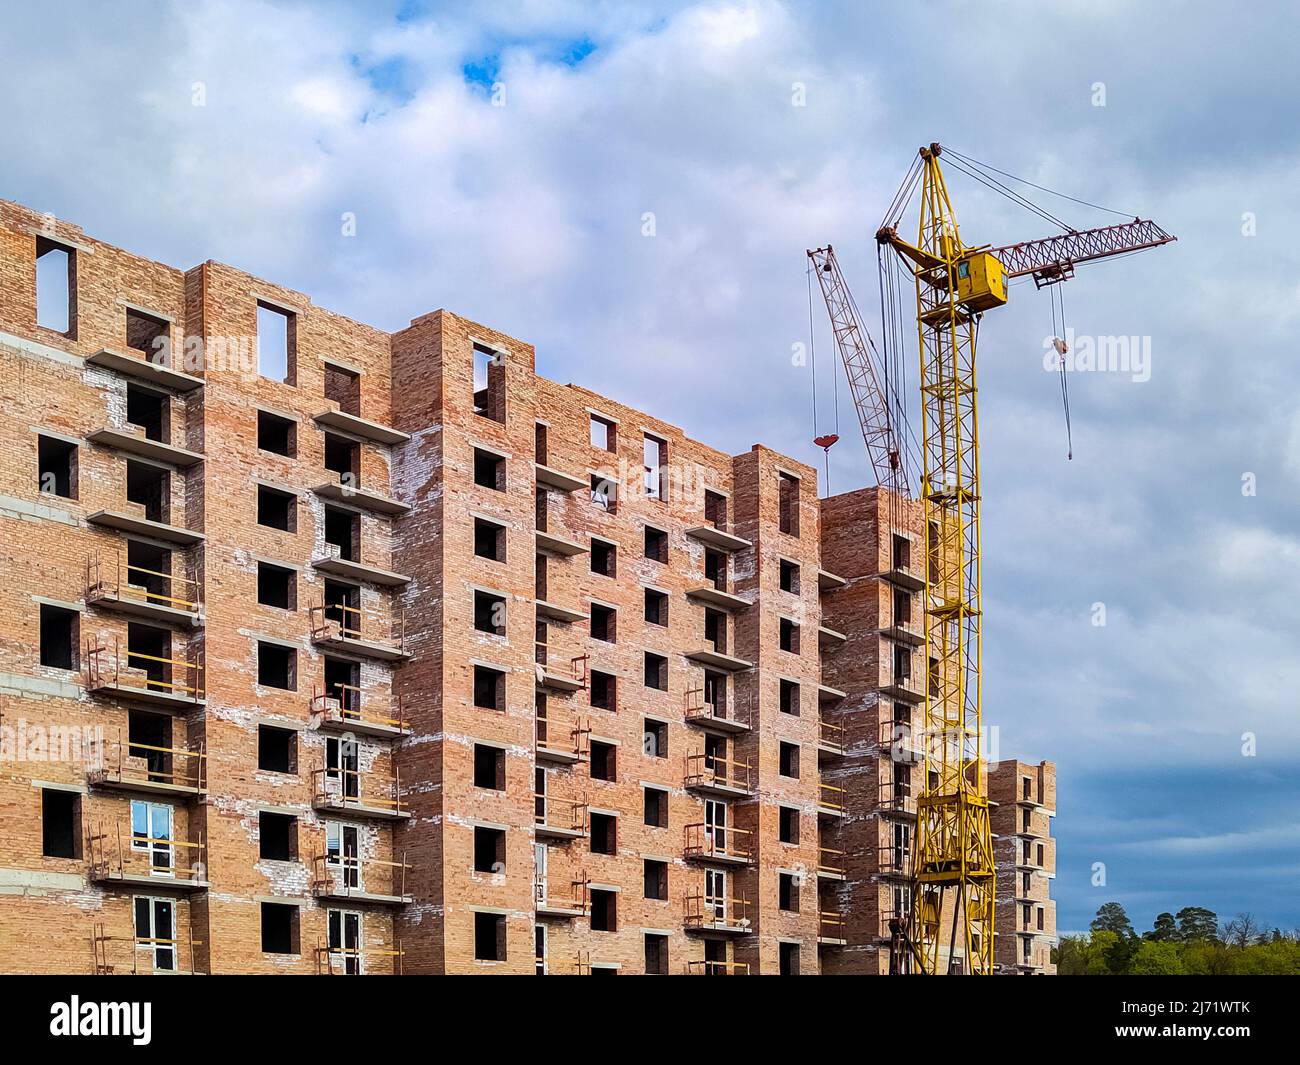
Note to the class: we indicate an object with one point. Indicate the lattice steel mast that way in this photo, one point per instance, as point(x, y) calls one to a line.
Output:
point(953, 866)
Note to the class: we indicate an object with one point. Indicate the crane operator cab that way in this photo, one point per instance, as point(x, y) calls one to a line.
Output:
point(981, 281)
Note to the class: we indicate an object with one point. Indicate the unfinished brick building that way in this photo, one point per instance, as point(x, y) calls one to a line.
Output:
point(326, 649)
point(1025, 854)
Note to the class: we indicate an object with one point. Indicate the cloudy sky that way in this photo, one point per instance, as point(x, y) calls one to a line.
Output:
point(500, 161)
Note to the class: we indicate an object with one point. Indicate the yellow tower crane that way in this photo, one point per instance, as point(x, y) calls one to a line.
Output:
point(953, 875)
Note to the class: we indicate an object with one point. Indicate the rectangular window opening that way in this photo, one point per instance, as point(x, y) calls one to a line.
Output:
point(60, 636)
point(343, 386)
point(277, 333)
point(60, 823)
point(56, 287)
point(489, 384)
point(56, 467)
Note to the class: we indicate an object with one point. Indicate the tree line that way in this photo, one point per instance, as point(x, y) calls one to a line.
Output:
point(1190, 942)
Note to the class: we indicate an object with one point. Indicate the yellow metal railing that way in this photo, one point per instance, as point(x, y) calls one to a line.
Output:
point(121, 581)
point(567, 815)
point(717, 968)
point(703, 769)
point(106, 963)
point(105, 668)
point(342, 703)
point(122, 764)
point(341, 621)
point(112, 856)
point(338, 785)
point(717, 912)
point(712, 841)
point(831, 797)
point(342, 875)
point(831, 861)
point(831, 735)
point(351, 961)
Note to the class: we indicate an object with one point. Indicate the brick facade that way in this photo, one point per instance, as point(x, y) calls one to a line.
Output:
point(450, 685)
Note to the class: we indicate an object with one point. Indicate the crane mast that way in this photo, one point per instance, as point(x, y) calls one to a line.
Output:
point(953, 870)
point(953, 875)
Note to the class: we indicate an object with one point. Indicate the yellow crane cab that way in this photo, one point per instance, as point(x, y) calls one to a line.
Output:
point(981, 281)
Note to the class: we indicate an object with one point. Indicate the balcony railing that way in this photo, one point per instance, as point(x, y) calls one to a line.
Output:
point(341, 707)
point(561, 737)
point(150, 677)
point(897, 796)
point(717, 968)
point(562, 816)
point(122, 854)
point(717, 711)
point(901, 740)
point(340, 623)
point(119, 954)
point(712, 842)
point(831, 862)
point(359, 792)
point(556, 672)
point(831, 737)
point(832, 925)
point(349, 876)
point(717, 913)
point(133, 765)
point(831, 798)
point(574, 904)
point(894, 860)
point(359, 961)
point(117, 580)
point(715, 771)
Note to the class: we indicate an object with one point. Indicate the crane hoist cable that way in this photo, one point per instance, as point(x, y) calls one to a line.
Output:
point(1057, 296)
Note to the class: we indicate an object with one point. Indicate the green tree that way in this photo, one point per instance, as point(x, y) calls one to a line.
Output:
point(1165, 930)
point(1100, 946)
point(1197, 923)
point(1157, 958)
point(1112, 918)
point(1071, 956)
